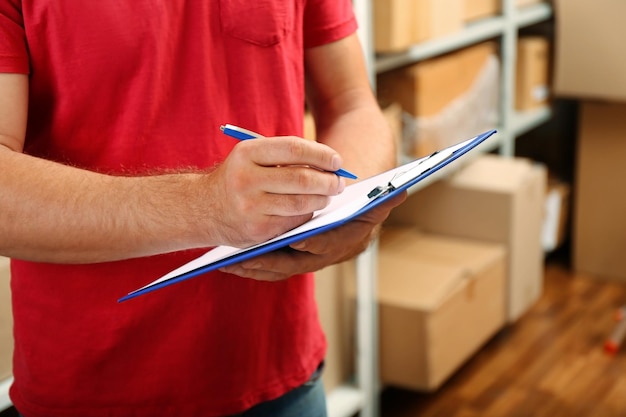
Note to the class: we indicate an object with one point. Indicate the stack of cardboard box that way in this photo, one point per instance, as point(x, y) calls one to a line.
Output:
point(590, 66)
point(458, 260)
point(492, 199)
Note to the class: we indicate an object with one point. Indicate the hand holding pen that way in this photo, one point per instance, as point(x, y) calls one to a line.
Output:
point(251, 200)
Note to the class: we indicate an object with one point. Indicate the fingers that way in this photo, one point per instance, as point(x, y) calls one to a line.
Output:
point(290, 150)
point(267, 186)
point(290, 205)
point(301, 180)
point(319, 251)
point(277, 265)
point(284, 166)
point(354, 237)
point(274, 176)
point(283, 191)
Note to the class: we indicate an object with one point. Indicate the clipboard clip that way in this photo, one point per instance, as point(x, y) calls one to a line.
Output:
point(403, 178)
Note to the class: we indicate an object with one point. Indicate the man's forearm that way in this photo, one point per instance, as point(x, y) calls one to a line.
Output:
point(347, 115)
point(55, 213)
point(355, 127)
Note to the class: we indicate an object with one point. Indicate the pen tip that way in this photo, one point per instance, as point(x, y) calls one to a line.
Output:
point(222, 128)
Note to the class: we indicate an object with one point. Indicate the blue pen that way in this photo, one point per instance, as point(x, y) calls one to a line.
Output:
point(245, 134)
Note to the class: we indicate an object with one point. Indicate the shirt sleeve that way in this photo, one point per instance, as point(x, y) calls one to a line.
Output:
point(13, 49)
point(327, 21)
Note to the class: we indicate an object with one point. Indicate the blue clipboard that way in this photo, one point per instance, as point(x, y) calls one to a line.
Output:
point(356, 200)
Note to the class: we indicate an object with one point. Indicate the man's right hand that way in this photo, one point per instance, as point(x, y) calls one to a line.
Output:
point(268, 186)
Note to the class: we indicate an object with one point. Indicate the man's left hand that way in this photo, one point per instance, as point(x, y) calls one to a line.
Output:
point(319, 251)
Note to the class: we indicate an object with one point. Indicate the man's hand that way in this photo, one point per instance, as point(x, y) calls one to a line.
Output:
point(315, 253)
point(268, 186)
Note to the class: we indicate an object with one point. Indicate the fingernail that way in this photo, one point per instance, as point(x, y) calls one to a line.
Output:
point(341, 186)
point(298, 245)
point(336, 162)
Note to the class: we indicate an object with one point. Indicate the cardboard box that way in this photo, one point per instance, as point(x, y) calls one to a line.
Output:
point(444, 17)
point(524, 3)
point(400, 24)
point(532, 73)
point(494, 199)
point(588, 40)
point(397, 25)
point(335, 317)
point(6, 321)
point(440, 299)
point(427, 87)
point(478, 9)
point(445, 98)
point(599, 229)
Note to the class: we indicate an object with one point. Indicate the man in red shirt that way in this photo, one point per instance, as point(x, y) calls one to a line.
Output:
point(114, 172)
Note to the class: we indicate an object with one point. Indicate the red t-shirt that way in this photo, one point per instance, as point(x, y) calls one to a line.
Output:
point(135, 87)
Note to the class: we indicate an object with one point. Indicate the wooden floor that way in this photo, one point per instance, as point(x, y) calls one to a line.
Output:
point(550, 363)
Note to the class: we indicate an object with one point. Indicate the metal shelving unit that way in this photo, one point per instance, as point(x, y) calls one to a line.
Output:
point(362, 397)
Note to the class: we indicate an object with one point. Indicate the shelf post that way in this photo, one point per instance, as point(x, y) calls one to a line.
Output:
point(367, 331)
point(508, 52)
point(367, 378)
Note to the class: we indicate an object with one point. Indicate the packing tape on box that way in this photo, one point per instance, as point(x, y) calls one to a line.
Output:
point(475, 111)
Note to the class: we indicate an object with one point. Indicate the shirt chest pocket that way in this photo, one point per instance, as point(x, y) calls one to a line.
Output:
point(261, 22)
